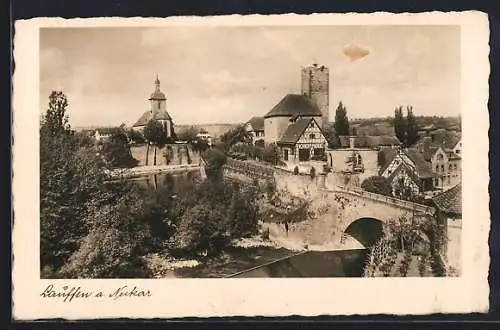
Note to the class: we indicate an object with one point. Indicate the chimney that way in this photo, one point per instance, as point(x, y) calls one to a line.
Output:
point(352, 139)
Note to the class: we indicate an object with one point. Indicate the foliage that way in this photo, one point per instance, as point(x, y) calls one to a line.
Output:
point(400, 124)
point(405, 263)
point(341, 125)
point(235, 135)
point(215, 160)
point(189, 134)
point(296, 170)
point(135, 136)
point(412, 128)
point(55, 120)
point(155, 133)
point(116, 151)
point(377, 185)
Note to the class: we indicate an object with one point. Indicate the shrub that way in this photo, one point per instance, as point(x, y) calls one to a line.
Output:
point(377, 185)
point(312, 172)
point(296, 170)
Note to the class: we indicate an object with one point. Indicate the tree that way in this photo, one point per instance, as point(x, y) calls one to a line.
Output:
point(399, 125)
point(189, 134)
point(135, 136)
point(55, 121)
point(215, 160)
point(411, 128)
point(377, 185)
point(155, 133)
point(341, 125)
point(235, 135)
point(270, 154)
point(116, 151)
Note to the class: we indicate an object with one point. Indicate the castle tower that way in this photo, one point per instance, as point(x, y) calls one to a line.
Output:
point(316, 85)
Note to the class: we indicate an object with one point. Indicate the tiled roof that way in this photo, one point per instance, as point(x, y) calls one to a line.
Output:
point(148, 115)
point(294, 131)
point(403, 167)
point(257, 123)
point(370, 141)
point(422, 167)
point(389, 155)
point(156, 95)
point(450, 201)
point(293, 104)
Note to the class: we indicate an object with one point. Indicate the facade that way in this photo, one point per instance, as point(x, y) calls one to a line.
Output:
point(449, 213)
point(103, 133)
point(443, 150)
point(315, 83)
point(409, 167)
point(157, 111)
point(255, 126)
point(303, 141)
point(205, 136)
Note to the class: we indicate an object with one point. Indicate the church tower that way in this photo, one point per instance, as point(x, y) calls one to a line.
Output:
point(158, 99)
point(316, 85)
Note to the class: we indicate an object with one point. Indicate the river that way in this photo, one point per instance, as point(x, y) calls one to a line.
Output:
point(262, 261)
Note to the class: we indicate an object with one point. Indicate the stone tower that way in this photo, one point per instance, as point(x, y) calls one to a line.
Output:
point(316, 85)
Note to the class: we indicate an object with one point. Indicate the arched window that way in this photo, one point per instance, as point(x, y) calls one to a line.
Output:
point(442, 168)
point(440, 156)
point(437, 168)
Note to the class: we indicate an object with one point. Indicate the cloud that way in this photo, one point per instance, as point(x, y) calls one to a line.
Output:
point(355, 52)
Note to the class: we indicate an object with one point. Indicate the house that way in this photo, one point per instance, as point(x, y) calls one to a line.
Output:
point(157, 111)
point(448, 206)
point(287, 111)
point(104, 133)
point(407, 165)
point(205, 136)
point(255, 126)
point(303, 140)
point(443, 150)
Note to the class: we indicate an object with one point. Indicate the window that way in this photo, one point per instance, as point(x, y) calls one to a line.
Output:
point(455, 166)
point(158, 105)
point(312, 136)
point(457, 151)
point(311, 125)
point(442, 168)
point(450, 167)
point(437, 168)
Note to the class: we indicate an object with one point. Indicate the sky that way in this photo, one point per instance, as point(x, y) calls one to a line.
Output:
point(229, 74)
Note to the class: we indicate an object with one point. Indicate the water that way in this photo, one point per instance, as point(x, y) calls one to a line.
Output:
point(272, 262)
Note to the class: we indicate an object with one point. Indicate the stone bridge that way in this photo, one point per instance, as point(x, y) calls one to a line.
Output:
point(362, 214)
point(339, 210)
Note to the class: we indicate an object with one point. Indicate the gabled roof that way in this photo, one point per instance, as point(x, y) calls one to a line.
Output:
point(148, 115)
point(294, 131)
point(257, 123)
point(389, 155)
point(450, 201)
point(422, 167)
point(293, 104)
point(409, 171)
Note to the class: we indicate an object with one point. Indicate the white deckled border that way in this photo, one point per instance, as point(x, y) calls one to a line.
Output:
point(259, 297)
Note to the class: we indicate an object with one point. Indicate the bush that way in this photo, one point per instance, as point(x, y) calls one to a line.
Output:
point(296, 170)
point(312, 172)
point(377, 185)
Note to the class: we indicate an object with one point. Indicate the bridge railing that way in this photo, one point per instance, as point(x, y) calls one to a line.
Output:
point(388, 199)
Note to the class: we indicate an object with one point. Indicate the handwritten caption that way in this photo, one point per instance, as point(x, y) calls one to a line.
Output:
point(70, 293)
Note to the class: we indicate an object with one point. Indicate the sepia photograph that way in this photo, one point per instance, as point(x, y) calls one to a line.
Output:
point(291, 153)
point(198, 164)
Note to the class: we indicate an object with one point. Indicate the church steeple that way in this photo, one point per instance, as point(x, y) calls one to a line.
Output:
point(157, 84)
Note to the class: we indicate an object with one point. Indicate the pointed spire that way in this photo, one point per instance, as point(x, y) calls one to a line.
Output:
point(157, 83)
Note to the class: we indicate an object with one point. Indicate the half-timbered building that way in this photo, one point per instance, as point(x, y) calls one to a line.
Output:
point(303, 141)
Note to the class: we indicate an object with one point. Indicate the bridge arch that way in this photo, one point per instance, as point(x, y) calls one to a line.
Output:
point(366, 230)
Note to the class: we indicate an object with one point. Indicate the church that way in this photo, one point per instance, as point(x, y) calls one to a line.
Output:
point(157, 111)
point(296, 124)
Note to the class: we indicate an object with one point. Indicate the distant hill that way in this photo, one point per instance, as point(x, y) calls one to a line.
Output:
point(215, 130)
